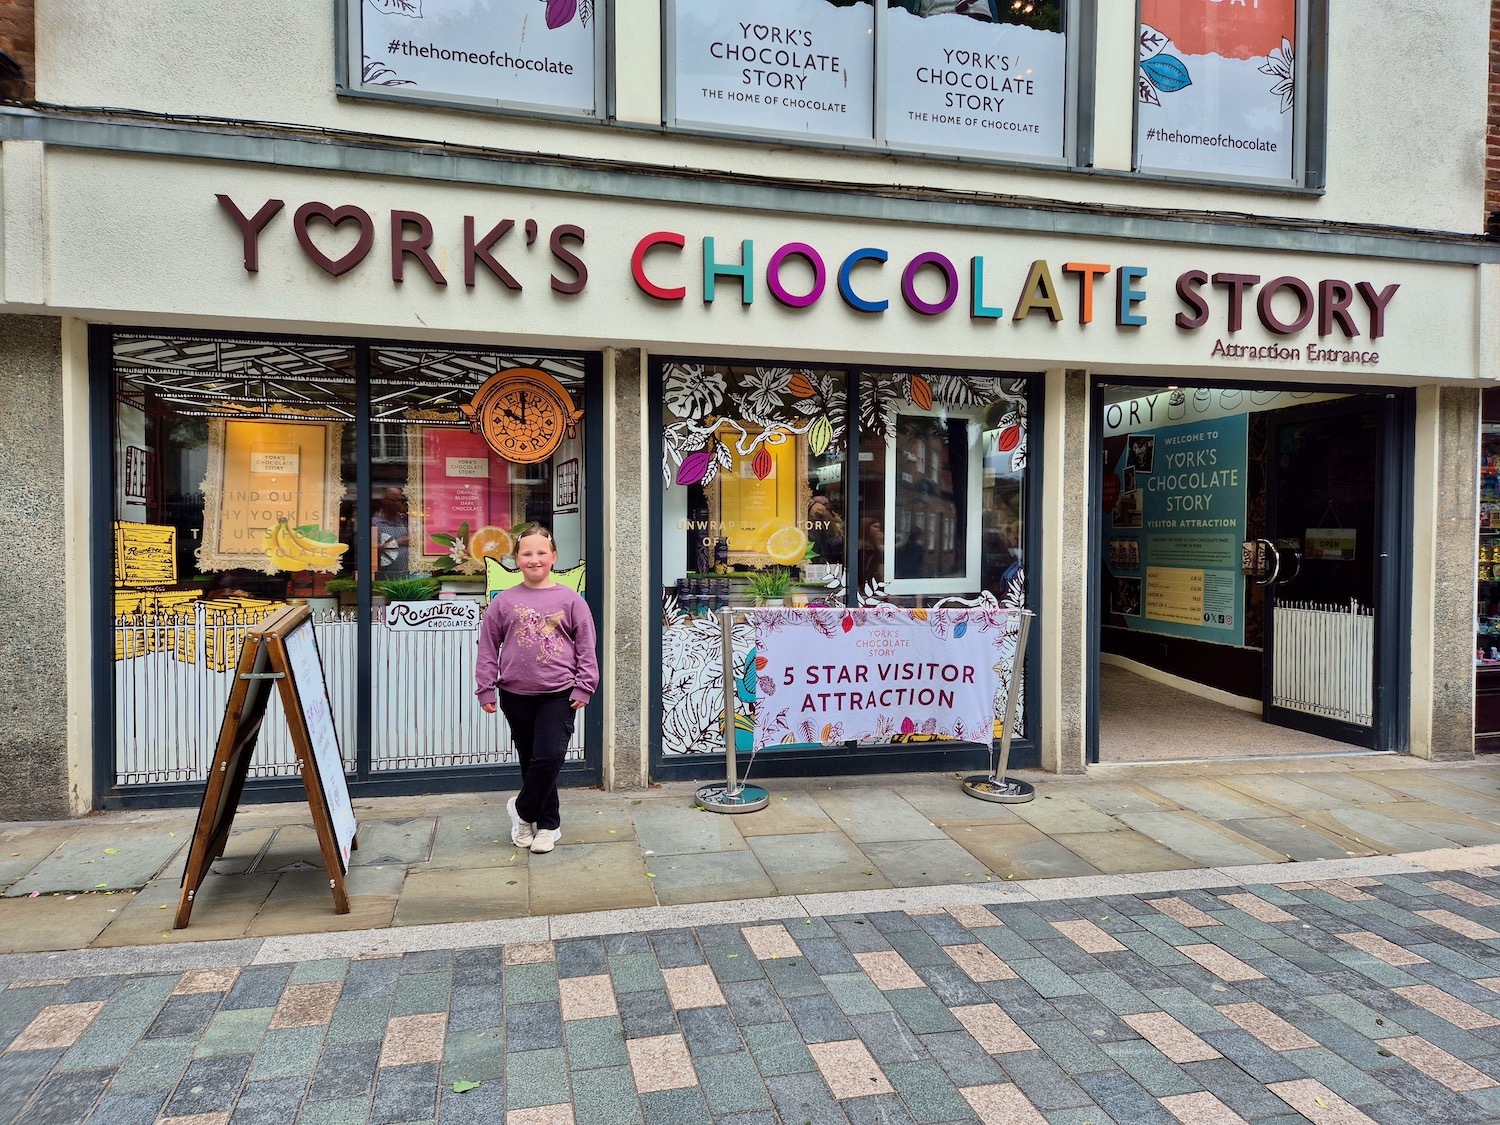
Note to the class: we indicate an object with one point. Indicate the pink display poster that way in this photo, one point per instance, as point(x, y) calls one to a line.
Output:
point(463, 482)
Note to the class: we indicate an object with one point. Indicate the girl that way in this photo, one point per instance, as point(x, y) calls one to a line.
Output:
point(537, 645)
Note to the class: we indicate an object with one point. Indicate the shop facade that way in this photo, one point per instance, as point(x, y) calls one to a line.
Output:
point(267, 356)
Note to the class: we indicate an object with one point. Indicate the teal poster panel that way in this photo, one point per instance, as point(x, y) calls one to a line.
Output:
point(1174, 520)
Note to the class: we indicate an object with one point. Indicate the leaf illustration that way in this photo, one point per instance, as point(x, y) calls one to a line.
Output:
point(1010, 437)
point(960, 629)
point(760, 663)
point(919, 614)
point(585, 11)
point(694, 466)
point(819, 437)
point(1166, 73)
point(921, 392)
point(801, 386)
point(761, 463)
point(560, 12)
point(808, 732)
point(848, 623)
point(765, 685)
point(908, 727)
point(412, 8)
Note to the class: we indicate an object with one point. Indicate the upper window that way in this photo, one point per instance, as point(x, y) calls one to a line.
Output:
point(530, 55)
point(982, 78)
point(1219, 89)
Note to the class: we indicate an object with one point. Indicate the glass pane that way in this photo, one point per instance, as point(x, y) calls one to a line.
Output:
point(792, 67)
point(942, 482)
point(752, 512)
point(1215, 89)
point(986, 76)
point(234, 467)
point(446, 506)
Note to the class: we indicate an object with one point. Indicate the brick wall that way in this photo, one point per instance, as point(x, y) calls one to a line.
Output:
point(1492, 134)
point(18, 41)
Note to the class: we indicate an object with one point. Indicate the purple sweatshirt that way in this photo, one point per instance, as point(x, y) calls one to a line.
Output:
point(534, 642)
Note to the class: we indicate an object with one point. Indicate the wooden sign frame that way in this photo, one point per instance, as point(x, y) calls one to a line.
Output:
point(265, 658)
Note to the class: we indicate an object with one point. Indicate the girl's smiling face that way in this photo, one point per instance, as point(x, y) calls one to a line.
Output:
point(535, 555)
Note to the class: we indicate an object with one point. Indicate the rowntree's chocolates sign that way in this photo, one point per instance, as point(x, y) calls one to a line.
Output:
point(1320, 320)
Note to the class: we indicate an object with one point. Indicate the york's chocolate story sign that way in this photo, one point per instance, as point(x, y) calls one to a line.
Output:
point(1326, 320)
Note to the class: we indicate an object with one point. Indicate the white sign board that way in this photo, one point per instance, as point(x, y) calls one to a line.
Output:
point(446, 615)
point(825, 675)
point(307, 674)
point(520, 52)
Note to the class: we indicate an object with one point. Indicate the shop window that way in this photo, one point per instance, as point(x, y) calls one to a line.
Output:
point(765, 501)
point(239, 487)
point(986, 78)
point(540, 57)
point(1230, 90)
point(234, 463)
point(448, 510)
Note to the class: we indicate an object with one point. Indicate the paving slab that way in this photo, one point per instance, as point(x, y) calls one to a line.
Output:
point(1116, 853)
point(464, 894)
point(1199, 839)
point(302, 902)
point(575, 877)
point(57, 921)
point(925, 863)
point(712, 877)
point(1022, 852)
point(394, 841)
point(470, 838)
point(945, 803)
point(667, 828)
point(223, 908)
point(1375, 829)
point(814, 863)
point(23, 846)
point(1214, 799)
point(790, 811)
point(1468, 792)
point(294, 847)
point(874, 814)
point(1297, 840)
point(102, 857)
point(1064, 812)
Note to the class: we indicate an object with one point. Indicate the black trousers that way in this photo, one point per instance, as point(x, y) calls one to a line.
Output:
point(541, 725)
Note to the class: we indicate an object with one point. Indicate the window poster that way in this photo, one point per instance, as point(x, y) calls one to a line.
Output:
point(957, 80)
point(1173, 527)
point(1216, 85)
point(799, 67)
point(522, 52)
point(461, 482)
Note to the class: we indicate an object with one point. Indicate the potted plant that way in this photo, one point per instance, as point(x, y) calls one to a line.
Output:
point(769, 586)
point(345, 587)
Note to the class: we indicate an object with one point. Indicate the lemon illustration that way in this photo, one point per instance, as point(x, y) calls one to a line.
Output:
point(787, 545)
point(491, 543)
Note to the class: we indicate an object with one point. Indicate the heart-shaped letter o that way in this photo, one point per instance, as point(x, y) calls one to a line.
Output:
point(335, 216)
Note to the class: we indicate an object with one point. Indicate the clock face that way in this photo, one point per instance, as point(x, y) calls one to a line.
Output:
point(524, 415)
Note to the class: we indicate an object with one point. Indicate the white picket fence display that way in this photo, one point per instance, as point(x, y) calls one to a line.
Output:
point(174, 670)
point(1323, 660)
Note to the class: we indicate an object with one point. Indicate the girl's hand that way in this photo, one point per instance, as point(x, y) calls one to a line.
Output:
point(487, 708)
point(577, 705)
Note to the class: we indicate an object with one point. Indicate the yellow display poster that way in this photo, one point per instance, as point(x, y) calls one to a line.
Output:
point(1174, 594)
point(145, 554)
point(761, 493)
point(261, 474)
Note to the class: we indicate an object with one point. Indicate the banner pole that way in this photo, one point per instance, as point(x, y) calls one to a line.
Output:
point(996, 786)
point(730, 796)
point(726, 639)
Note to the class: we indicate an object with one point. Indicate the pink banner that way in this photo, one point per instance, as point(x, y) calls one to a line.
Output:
point(464, 482)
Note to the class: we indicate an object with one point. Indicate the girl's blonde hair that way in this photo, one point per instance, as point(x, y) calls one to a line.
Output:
point(536, 529)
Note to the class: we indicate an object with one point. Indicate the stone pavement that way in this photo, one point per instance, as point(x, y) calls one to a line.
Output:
point(113, 879)
point(1281, 994)
point(1310, 941)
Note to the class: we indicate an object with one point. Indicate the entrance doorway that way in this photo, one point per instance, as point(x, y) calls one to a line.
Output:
point(1248, 560)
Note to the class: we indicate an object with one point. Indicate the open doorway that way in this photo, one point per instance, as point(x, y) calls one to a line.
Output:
point(1249, 559)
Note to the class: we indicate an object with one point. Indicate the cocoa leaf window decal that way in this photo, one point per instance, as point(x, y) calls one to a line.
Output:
point(376, 72)
point(1167, 73)
point(412, 8)
point(1279, 65)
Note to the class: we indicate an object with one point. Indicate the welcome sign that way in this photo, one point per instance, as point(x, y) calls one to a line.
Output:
point(827, 675)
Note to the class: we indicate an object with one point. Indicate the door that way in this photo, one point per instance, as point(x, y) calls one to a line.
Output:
point(1325, 479)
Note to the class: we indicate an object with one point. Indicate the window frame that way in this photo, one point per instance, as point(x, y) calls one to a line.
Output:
point(1310, 114)
point(1078, 85)
point(349, 83)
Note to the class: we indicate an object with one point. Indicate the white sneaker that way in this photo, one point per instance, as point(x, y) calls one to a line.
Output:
point(545, 839)
point(522, 832)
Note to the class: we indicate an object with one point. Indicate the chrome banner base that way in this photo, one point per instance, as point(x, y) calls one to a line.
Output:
point(720, 798)
point(1000, 790)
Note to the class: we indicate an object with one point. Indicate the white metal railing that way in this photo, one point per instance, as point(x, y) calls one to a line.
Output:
point(173, 671)
point(1323, 660)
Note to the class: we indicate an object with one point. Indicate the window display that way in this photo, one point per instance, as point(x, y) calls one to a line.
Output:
point(766, 502)
point(239, 489)
point(1487, 597)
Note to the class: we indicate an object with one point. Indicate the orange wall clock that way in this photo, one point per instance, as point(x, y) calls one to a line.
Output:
point(524, 414)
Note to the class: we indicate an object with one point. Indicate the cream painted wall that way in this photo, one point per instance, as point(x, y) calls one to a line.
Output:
point(160, 221)
point(1404, 150)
